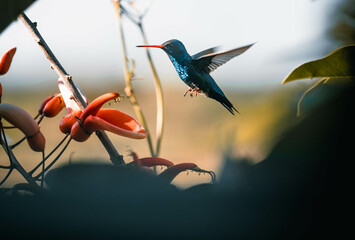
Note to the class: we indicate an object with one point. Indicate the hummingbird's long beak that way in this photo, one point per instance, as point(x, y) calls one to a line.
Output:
point(155, 46)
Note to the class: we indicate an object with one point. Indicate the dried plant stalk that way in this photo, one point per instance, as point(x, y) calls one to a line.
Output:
point(128, 78)
point(159, 95)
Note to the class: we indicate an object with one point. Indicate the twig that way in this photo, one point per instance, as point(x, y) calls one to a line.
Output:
point(16, 165)
point(115, 157)
point(7, 175)
point(44, 159)
point(54, 161)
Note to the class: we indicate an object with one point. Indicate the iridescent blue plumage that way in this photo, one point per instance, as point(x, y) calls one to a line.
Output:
point(194, 70)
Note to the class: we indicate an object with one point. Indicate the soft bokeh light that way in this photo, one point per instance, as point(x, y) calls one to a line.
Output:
point(84, 36)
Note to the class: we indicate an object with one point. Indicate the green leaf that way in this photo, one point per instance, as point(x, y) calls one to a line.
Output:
point(338, 64)
point(10, 9)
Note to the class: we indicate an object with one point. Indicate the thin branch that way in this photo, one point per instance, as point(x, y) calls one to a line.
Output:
point(43, 167)
point(16, 165)
point(54, 161)
point(44, 159)
point(115, 157)
point(7, 175)
point(17, 143)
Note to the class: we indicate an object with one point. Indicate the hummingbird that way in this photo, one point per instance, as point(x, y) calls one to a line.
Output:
point(195, 70)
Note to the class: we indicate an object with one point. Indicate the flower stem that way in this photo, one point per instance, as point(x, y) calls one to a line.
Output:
point(54, 161)
point(45, 158)
point(14, 164)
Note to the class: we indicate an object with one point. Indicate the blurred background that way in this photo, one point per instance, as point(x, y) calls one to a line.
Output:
point(85, 38)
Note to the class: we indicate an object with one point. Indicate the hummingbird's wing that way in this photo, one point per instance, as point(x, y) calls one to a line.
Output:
point(205, 52)
point(212, 60)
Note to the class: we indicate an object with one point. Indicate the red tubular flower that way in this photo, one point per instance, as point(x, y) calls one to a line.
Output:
point(154, 161)
point(6, 60)
point(43, 104)
point(24, 121)
point(53, 105)
point(93, 118)
point(68, 121)
point(170, 173)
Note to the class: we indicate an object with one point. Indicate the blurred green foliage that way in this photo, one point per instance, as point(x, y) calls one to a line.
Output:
point(338, 64)
point(343, 22)
point(336, 68)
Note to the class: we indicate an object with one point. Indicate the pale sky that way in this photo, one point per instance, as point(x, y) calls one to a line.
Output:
point(84, 36)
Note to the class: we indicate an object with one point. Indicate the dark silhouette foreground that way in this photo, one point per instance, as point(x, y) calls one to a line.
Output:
point(301, 190)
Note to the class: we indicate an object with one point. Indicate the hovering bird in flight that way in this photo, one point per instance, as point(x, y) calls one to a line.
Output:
point(195, 70)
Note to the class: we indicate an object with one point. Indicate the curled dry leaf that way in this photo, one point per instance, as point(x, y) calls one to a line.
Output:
point(6, 60)
point(24, 121)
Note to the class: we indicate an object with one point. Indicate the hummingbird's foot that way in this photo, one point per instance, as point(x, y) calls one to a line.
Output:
point(188, 90)
point(192, 91)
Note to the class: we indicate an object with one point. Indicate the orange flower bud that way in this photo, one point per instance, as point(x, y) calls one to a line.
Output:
point(68, 121)
point(78, 133)
point(36, 142)
point(24, 122)
point(6, 61)
point(54, 106)
point(43, 104)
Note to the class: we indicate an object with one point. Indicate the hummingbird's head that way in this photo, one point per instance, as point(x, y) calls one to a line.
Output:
point(172, 47)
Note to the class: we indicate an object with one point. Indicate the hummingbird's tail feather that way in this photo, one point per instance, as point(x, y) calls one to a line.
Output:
point(230, 108)
point(224, 101)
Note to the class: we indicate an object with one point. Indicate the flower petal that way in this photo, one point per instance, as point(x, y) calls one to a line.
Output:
point(78, 133)
point(23, 121)
point(43, 104)
point(54, 106)
point(95, 105)
point(68, 121)
point(170, 173)
point(116, 122)
point(154, 161)
point(6, 60)
point(36, 142)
